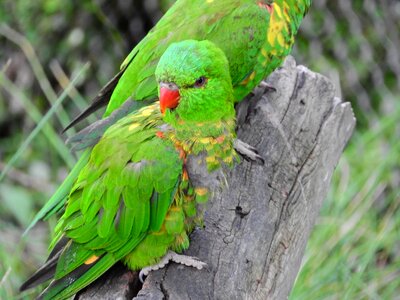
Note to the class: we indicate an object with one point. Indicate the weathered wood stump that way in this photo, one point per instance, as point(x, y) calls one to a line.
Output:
point(257, 228)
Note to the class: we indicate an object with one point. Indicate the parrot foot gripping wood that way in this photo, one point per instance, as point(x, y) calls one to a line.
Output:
point(256, 229)
point(247, 152)
point(188, 261)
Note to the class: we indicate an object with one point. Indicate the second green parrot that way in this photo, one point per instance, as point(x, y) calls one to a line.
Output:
point(255, 35)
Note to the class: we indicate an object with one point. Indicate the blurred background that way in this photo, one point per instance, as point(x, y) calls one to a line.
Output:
point(354, 250)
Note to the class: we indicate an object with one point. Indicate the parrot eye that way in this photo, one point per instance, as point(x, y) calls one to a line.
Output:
point(200, 82)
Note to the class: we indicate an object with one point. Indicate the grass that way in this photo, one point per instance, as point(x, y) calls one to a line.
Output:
point(354, 250)
point(43, 146)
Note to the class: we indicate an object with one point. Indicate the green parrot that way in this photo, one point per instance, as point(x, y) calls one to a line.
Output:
point(134, 199)
point(255, 36)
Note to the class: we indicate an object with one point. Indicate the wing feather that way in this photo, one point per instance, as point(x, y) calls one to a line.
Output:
point(115, 203)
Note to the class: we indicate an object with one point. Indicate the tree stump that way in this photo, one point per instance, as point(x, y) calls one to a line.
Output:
point(256, 228)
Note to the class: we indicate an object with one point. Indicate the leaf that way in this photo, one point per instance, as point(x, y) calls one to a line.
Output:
point(16, 201)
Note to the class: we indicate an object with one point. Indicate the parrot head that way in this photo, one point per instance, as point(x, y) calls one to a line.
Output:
point(194, 82)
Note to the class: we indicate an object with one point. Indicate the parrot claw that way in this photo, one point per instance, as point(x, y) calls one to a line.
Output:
point(186, 260)
point(248, 152)
point(267, 87)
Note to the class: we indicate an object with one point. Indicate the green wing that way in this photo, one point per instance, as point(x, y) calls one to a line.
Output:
point(86, 138)
point(121, 195)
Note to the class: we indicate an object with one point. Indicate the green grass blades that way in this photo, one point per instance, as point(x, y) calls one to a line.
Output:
point(353, 251)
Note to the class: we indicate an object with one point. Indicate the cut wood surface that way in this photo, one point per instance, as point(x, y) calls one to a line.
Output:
point(257, 226)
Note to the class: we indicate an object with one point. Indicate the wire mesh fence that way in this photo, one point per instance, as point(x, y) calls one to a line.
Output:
point(360, 39)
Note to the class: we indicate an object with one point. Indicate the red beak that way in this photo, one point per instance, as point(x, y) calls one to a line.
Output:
point(169, 98)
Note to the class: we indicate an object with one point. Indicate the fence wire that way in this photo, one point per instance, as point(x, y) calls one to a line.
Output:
point(360, 40)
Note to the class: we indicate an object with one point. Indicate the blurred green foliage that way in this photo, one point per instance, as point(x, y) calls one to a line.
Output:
point(354, 251)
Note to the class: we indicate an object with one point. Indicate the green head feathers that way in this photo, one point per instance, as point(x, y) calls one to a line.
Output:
point(198, 73)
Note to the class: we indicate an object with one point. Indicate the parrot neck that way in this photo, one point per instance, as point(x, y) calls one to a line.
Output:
point(197, 134)
point(213, 138)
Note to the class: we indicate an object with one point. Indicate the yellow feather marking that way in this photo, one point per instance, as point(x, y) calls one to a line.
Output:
point(285, 11)
point(147, 112)
point(264, 52)
point(252, 75)
point(278, 10)
point(276, 28)
point(160, 232)
point(175, 208)
point(201, 191)
point(180, 239)
point(210, 1)
point(91, 260)
point(210, 159)
point(249, 78)
point(281, 40)
point(228, 159)
point(133, 126)
point(205, 140)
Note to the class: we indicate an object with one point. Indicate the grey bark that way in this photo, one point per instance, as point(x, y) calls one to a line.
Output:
point(257, 227)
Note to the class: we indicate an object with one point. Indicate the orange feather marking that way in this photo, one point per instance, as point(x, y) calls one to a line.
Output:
point(185, 175)
point(160, 134)
point(201, 191)
point(91, 260)
point(220, 139)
